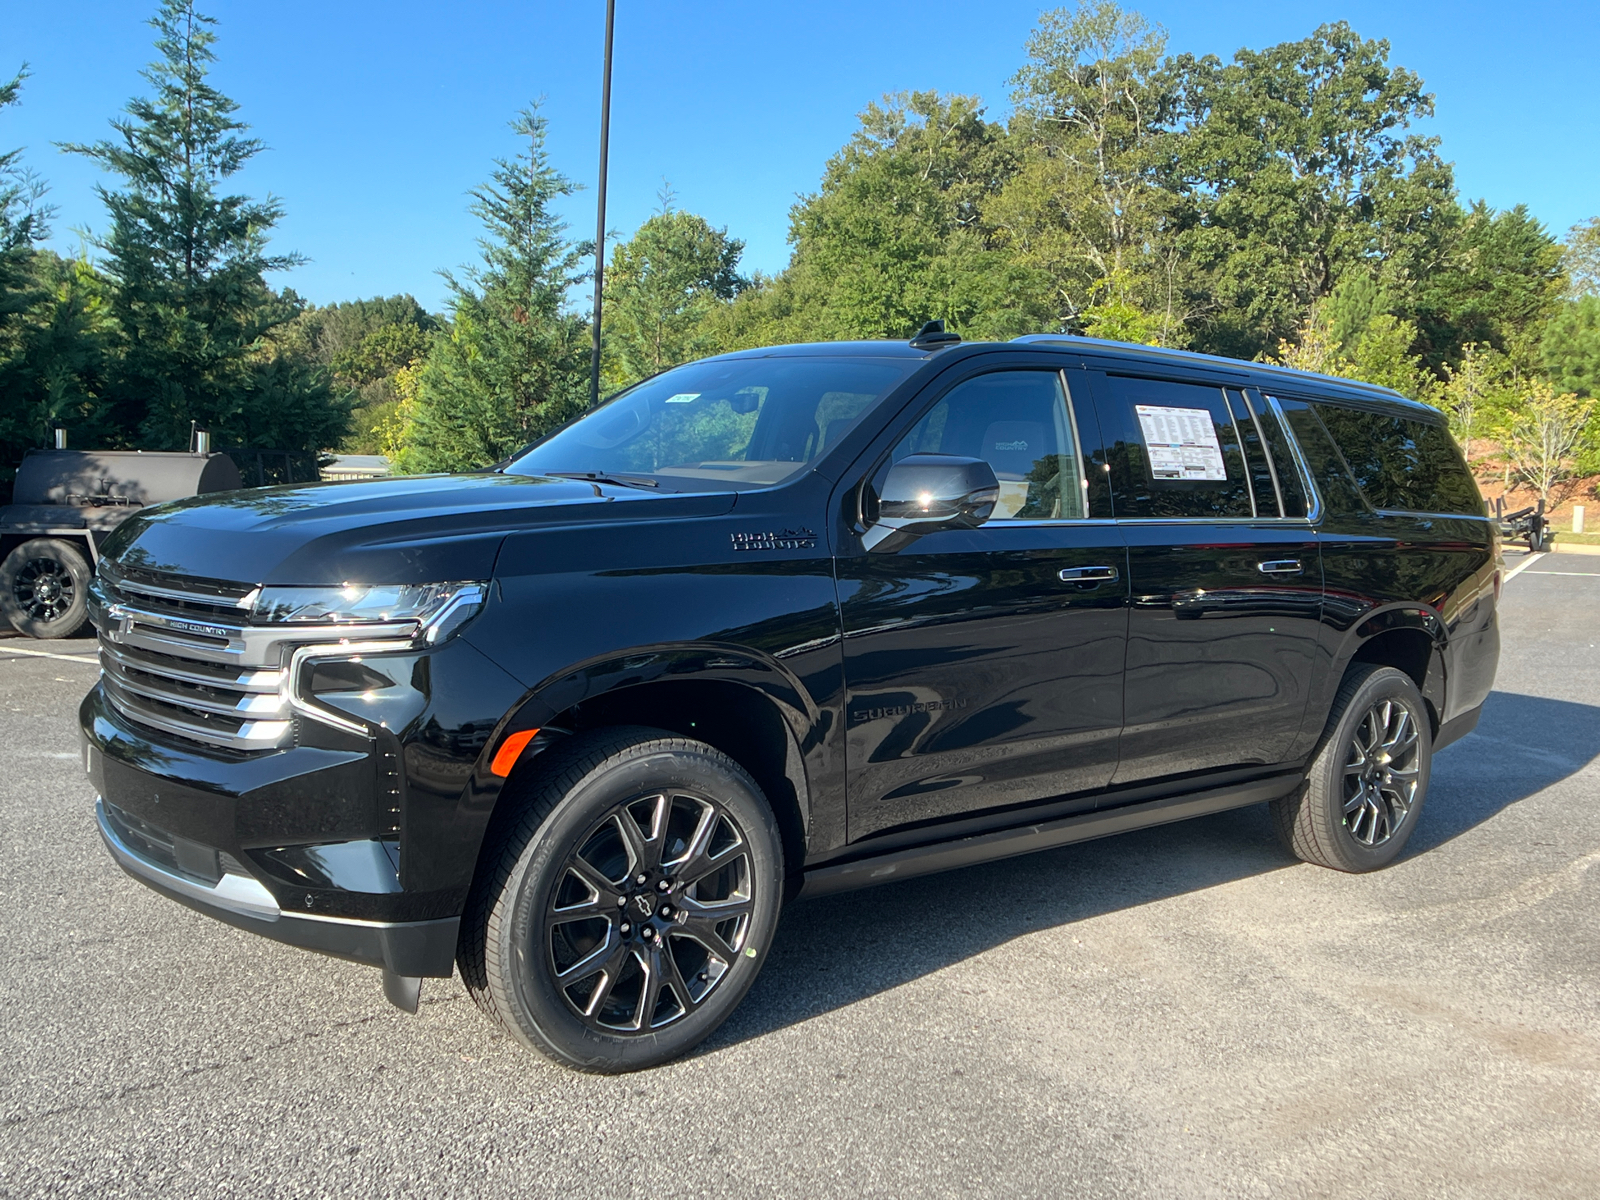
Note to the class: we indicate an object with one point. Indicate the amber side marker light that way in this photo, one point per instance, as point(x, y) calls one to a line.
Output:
point(510, 750)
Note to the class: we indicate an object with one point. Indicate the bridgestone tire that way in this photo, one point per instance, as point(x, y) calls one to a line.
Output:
point(505, 951)
point(45, 563)
point(1311, 821)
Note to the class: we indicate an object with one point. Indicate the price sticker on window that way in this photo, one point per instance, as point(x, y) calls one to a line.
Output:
point(1181, 442)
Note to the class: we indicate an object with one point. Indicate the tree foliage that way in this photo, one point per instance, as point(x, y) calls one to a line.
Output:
point(661, 286)
point(514, 363)
point(187, 258)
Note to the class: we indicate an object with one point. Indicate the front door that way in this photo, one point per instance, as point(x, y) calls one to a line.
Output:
point(1226, 591)
point(984, 666)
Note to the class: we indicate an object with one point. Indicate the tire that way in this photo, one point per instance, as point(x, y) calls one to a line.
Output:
point(44, 588)
point(560, 891)
point(1378, 712)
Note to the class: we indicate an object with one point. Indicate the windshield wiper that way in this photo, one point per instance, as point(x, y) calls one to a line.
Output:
point(605, 477)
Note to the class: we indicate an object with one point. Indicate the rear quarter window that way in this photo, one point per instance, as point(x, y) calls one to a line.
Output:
point(1402, 464)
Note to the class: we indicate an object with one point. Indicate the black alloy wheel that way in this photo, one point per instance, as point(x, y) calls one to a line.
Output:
point(1367, 783)
point(651, 912)
point(44, 588)
point(1380, 776)
point(625, 902)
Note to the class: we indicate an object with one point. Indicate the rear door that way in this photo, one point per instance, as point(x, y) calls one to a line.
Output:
point(1226, 590)
point(984, 666)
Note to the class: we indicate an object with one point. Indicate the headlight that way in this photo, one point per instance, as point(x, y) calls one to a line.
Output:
point(436, 609)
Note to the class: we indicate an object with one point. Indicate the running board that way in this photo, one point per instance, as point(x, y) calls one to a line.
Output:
point(1025, 839)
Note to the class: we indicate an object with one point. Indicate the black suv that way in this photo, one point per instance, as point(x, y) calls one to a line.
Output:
point(776, 624)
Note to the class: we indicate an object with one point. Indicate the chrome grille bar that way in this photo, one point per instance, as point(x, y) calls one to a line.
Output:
point(181, 657)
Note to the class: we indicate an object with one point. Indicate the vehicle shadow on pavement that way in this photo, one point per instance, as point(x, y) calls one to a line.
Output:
point(833, 952)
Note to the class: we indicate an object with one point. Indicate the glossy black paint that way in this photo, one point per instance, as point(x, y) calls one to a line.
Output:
point(951, 687)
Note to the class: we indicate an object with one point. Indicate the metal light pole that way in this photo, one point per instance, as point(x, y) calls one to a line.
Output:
point(600, 226)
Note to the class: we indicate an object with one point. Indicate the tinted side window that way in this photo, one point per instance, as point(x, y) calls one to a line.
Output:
point(1174, 451)
point(1338, 490)
point(1019, 422)
point(1402, 464)
point(1291, 488)
point(1263, 484)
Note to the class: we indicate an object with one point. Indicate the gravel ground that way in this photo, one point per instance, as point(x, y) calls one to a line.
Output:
point(1180, 1012)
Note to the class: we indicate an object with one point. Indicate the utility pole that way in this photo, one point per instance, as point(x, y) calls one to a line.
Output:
point(600, 225)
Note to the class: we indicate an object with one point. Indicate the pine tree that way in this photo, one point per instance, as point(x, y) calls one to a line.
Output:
point(188, 259)
point(514, 363)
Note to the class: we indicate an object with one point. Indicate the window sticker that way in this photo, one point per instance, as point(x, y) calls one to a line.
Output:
point(683, 397)
point(1182, 442)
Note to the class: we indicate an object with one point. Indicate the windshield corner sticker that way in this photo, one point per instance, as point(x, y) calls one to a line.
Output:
point(781, 539)
point(683, 398)
point(1182, 442)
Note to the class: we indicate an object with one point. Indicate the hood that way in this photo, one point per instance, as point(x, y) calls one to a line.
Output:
point(411, 529)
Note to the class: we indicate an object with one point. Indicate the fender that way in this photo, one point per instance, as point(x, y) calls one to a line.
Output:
point(1430, 675)
point(550, 706)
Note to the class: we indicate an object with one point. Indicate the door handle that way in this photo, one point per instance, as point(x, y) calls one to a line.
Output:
point(1281, 566)
point(1088, 574)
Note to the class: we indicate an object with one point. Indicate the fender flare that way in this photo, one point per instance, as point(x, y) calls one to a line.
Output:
point(804, 724)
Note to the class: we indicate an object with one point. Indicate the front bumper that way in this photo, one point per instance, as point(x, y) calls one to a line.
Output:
point(404, 948)
point(287, 845)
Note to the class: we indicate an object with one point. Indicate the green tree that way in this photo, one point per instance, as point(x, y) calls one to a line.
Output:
point(363, 345)
point(1474, 389)
point(514, 363)
point(1302, 166)
point(1581, 258)
point(187, 259)
point(1498, 285)
point(895, 236)
point(661, 286)
point(53, 323)
point(1570, 350)
point(1542, 436)
point(1098, 111)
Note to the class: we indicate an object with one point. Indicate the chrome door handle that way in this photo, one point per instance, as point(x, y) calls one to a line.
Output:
point(1088, 574)
point(1281, 566)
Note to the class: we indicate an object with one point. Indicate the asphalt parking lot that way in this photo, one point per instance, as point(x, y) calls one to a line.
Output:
point(1185, 1011)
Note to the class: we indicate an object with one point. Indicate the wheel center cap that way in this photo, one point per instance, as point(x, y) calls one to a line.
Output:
point(645, 905)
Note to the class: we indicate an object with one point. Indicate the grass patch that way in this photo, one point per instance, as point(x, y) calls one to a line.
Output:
point(1576, 539)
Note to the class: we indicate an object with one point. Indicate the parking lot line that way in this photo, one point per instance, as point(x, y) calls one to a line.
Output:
point(1523, 565)
point(77, 658)
point(1570, 574)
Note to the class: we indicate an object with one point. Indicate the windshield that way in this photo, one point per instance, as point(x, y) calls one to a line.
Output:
point(745, 422)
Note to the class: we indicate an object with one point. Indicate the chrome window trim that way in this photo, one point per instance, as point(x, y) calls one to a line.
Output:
point(1213, 521)
point(1077, 449)
point(1314, 508)
point(1244, 459)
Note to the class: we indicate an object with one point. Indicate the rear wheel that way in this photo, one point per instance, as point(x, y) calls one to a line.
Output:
point(1366, 785)
point(44, 588)
point(631, 903)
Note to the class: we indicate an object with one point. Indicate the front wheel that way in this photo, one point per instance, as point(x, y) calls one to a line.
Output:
point(44, 588)
point(631, 903)
point(1365, 787)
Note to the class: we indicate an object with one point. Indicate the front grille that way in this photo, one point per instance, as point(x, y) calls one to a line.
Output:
point(179, 656)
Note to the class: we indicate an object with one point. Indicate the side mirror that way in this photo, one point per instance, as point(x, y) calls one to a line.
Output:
point(928, 492)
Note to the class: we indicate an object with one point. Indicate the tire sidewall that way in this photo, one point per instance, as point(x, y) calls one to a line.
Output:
point(1386, 683)
point(69, 557)
point(535, 1003)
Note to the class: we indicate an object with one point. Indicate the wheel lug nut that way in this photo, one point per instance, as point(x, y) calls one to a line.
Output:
point(641, 879)
point(622, 902)
point(626, 928)
point(666, 912)
point(664, 885)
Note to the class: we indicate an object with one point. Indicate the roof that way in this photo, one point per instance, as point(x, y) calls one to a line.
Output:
point(1265, 375)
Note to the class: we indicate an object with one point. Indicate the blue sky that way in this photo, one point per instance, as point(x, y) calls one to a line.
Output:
point(381, 116)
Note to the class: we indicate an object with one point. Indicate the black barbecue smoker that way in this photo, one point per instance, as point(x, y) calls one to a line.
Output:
point(64, 505)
